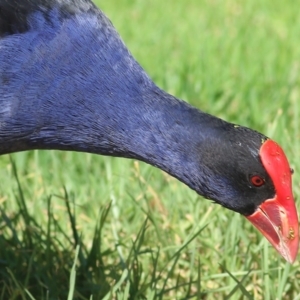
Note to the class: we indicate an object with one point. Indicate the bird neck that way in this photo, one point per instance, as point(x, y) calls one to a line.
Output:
point(151, 126)
point(96, 100)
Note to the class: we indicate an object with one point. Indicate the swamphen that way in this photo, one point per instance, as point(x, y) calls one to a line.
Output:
point(68, 82)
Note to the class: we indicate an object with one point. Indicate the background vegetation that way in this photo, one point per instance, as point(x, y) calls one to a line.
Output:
point(142, 234)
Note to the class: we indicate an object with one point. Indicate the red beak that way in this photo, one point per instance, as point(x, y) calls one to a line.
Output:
point(277, 218)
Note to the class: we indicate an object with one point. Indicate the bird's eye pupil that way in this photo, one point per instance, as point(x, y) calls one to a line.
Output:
point(257, 181)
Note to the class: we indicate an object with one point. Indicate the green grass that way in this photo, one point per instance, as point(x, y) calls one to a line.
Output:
point(143, 234)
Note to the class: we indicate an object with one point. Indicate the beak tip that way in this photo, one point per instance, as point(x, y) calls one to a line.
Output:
point(293, 251)
point(282, 233)
point(290, 258)
point(288, 247)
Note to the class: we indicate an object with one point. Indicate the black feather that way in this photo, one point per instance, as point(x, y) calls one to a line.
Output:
point(14, 14)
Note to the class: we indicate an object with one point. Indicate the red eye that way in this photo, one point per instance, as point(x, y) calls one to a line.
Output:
point(257, 180)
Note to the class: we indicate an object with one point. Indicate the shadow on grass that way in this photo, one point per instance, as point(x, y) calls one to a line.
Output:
point(36, 264)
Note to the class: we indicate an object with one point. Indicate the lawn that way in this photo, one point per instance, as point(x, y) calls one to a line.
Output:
point(143, 234)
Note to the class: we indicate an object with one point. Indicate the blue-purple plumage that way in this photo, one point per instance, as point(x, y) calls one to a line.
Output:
point(68, 82)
